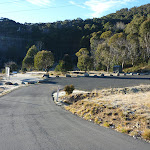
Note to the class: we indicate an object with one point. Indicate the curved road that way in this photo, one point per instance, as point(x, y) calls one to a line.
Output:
point(29, 120)
point(88, 83)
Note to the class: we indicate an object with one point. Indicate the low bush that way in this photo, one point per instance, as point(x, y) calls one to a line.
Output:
point(69, 89)
point(106, 124)
point(139, 68)
point(3, 71)
point(125, 130)
point(146, 134)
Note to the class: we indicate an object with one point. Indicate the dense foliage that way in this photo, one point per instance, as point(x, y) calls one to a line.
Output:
point(65, 64)
point(28, 61)
point(118, 38)
point(69, 89)
point(85, 62)
point(43, 60)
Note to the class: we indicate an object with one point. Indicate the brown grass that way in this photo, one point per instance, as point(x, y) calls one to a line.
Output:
point(127, 113)
point(146, 134)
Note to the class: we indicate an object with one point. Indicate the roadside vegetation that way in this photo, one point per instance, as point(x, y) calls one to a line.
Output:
point(121, 38)
point(126, 110)
point(69, 89)
point(142, 68)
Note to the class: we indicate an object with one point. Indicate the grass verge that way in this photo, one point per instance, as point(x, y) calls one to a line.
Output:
point(127, 113)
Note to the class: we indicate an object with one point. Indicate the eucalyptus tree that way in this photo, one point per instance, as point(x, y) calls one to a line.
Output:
point(28, 61)
point(43, 60)
point(104, 55)
point(145, 37)
point(132, 45)
point(118, 45)
point(85, 62)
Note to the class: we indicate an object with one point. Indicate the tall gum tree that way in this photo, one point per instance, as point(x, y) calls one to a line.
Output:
point(118, 45)
point(145, 37)
point(104, 55)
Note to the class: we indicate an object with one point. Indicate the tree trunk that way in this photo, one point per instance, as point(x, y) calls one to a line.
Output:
point(132, 62)
point(122, 64)
point(107, 68)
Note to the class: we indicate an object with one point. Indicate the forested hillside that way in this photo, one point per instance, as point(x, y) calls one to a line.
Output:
point(119, 38)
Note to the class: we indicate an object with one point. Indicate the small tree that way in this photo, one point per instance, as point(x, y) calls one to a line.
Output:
point(85, 62)
point(60, 67)
point(43, 60)
point(28, 61)
point(32, 51)
point(65, 64)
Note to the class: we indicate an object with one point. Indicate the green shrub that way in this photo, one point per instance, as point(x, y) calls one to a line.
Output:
point(3, 70)
point(69, 89)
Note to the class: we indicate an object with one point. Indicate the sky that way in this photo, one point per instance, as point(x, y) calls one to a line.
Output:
point(44, 11)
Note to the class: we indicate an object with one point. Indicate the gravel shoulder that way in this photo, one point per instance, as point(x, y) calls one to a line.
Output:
point(18, 80)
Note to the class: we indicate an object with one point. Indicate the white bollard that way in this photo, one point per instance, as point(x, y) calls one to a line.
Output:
point(7, 71)
point(57, 94)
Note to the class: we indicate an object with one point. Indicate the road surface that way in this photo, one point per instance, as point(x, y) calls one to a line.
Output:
point(29, 120)
point(90, 83)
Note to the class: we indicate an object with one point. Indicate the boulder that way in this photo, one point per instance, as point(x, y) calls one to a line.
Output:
point(8, 83)
point(46, 76)
point(95, 76)
point(102, 75)
point(16, 84)
point(68, 75)
point(43, 81)
point(31, 82)
point(86, 75)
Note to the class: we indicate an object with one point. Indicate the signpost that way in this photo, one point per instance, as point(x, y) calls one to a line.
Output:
point(7, 70)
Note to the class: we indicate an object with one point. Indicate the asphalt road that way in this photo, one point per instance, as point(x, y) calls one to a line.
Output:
point(29, 120)
point(90, 83)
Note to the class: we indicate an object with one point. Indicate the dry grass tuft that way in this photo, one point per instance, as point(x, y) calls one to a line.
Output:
point(124, 130)
point(127, 113)
point(146, 134)
point(106, 124)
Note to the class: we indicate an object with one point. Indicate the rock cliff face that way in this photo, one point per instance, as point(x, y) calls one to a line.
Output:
point(11, 42)
point(12, 49)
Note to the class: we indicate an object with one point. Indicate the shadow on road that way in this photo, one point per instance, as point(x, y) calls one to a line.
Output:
point(112, 77)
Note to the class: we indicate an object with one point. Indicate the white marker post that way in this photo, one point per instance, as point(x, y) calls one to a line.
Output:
point(7, 69)
point(57, 94)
